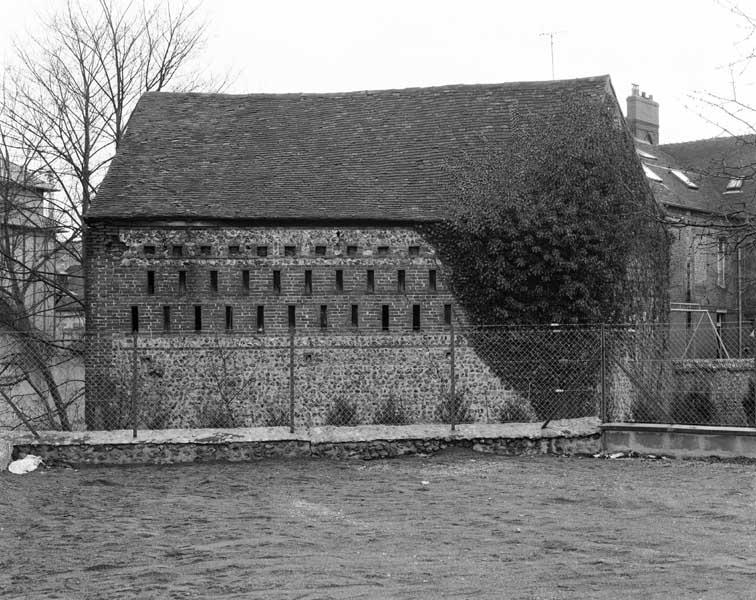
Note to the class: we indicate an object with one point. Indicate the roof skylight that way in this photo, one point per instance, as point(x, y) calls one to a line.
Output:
point(651, 174)
point(643, 154)
point(734, 185)
point(684, 178)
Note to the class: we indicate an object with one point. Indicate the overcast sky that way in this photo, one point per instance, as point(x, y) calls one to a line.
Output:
point(673, 49)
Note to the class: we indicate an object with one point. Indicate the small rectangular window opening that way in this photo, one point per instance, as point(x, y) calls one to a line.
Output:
point(205, 250)
point(277, 282)
point(151, 282)
point(149, 249)
point(177, 251)
point(414, 250)
point(214, 281)
point(229, 317)
point(447, 314)
point(351, 250)
point(385, 317)
point(197, 318)
point(290, 250)
point(166, 318)
point(182, 282)
point(432, 280)
point(134, 319)
point(401, 281)
point(292, 316)
point(262, 251)
point(383, 250)
point(308, 282)
point(339, 280)
point(245, 280)
point(320, 250)
point(323, 316)
point(355, 315)
point(260, 318)
point(234, 250)
point(370, 281)
point(416, 317)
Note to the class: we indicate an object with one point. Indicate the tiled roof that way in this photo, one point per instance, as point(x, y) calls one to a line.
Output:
point(710, 164)
point(360, 155)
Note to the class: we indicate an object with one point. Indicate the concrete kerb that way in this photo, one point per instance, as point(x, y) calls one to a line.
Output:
point(369, 441)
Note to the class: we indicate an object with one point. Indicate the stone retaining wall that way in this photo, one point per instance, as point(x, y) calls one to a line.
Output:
point(132, 454)
point(578, 436)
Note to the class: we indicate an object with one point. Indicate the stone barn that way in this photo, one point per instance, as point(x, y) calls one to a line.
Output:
point(226, 222)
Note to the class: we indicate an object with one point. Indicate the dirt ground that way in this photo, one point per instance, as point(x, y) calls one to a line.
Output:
point(481, 527)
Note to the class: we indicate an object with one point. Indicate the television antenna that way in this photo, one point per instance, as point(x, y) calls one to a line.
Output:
point(551, 35)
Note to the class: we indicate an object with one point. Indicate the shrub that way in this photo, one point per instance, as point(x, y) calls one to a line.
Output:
point(515, 412)
point(391, 412)
point(693, 408)
point(277, 417)
point(457, 407)
point(749, 404)
point(216, 415)
point(342, 413)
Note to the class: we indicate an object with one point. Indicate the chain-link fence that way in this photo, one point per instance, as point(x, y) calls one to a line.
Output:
point(650, 378)
point(301, 379)
point(41, 382)
point(304, 379)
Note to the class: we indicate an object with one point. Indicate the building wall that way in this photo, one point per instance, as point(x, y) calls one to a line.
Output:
point(119, 266)
point(25, 229)
point(365, 364)
point(696, 263)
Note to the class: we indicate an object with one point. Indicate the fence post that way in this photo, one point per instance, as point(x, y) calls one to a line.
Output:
point(291, 381)
point(452, 391)
point(134, 378)
point(602, 406)
point(752, 389)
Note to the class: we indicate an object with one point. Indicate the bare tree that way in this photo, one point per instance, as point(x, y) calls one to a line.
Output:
point(32, 384)
point(63, 114)
point(79, 80)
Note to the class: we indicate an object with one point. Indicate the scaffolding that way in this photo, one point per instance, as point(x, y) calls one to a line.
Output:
point(704, 315)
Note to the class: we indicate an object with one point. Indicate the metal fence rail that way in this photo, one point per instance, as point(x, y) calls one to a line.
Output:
point(300, 379)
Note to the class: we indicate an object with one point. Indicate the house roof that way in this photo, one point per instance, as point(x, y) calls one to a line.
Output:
point(23, 176)
point(377, 155)
point(710, 164)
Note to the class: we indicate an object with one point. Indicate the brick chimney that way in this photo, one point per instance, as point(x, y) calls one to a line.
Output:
point(643, 116)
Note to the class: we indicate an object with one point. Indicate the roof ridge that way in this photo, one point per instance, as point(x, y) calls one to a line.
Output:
point(453, 86)
point(747, 138)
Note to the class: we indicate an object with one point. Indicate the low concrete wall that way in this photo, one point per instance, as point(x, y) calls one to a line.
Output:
point(683, 441)
point(572, 436)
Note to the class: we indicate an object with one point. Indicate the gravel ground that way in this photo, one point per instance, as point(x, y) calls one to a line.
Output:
point(454, 525)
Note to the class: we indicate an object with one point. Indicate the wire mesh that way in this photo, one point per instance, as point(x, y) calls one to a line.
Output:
point(300, 379)
point(653, 378)
point(41, 382)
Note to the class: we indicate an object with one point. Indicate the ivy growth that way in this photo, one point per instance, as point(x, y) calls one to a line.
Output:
point(560, 226)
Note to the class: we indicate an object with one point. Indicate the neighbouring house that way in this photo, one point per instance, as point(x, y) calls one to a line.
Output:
point(69, 292)
point(41, 380)
point(226, 222)
point(705, 187)
point(27, 246)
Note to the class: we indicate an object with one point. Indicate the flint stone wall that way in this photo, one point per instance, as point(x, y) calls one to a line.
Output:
point(228, 381)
